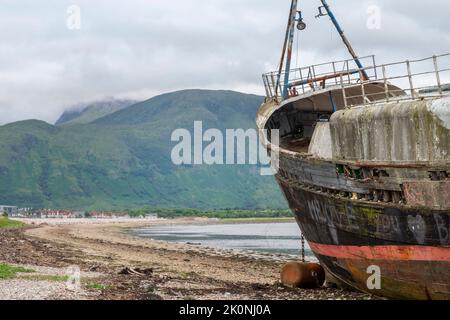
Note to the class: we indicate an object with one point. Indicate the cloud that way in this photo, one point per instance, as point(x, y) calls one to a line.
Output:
point(140, 48)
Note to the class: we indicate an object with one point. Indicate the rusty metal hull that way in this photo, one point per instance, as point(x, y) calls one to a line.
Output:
point(371, 191)
point(410, 246)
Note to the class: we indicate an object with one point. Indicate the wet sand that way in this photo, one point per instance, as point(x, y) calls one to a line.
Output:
point(175, 271)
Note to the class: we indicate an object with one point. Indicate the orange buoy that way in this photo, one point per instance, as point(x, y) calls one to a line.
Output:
point(303, 275)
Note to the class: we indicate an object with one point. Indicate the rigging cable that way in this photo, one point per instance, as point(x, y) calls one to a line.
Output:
point(298, 51)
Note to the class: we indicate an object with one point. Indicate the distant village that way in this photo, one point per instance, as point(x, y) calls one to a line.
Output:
point(30, 213)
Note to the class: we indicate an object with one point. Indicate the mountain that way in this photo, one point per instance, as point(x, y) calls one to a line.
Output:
point(123, 160)
point(87, 113)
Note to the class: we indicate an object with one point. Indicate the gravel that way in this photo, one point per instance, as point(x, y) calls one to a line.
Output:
point(35, 286)
point(19, 289)
point(180, 271)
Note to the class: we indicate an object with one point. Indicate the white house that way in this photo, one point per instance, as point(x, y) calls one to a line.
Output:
point(9, 210)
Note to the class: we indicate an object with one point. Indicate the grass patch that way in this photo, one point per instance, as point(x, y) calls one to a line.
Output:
point(6, 223)
point(98, 286)
point(7, 271)
point(50, 278)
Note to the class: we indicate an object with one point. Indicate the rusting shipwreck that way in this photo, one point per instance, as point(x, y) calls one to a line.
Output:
point(364, 162)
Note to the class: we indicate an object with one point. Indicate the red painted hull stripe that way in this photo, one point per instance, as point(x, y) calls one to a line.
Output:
point(393, 253)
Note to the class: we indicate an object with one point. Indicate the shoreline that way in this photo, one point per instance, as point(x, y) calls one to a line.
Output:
point(178, 271)
point(139, 221)
point(257, 254)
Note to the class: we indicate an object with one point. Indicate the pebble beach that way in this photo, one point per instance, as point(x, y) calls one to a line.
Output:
point(104, 252)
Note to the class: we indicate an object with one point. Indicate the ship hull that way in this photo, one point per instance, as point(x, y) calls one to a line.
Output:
point(369, 186)
point(355, 239)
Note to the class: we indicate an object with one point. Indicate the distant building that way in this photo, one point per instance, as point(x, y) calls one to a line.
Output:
point(11, 211)
point(25, 213)
point(79, 214)
point(108, 215)
point(59, 214)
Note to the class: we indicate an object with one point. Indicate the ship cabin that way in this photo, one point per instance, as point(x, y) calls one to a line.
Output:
point(317, 92)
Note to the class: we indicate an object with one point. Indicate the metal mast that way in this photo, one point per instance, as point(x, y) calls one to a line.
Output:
point(292, 20)
point(289, 39)
point(345, 39)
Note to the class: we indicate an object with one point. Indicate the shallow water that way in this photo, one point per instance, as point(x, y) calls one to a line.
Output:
point(282, 238)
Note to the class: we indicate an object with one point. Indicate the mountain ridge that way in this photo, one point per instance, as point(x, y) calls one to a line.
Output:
point(89, 112)
point(123, 160)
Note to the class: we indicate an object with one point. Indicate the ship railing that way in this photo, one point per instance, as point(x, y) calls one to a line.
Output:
point(420, 79)
point(306, 77)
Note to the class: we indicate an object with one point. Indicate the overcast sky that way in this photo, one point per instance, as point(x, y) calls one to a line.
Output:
point(140, 48)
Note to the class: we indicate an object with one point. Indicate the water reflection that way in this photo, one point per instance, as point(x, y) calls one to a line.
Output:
point(282, 238)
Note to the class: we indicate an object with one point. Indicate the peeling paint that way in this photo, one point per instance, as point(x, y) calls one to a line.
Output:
point(441, 109)
point(320, 146)
point(407, 132)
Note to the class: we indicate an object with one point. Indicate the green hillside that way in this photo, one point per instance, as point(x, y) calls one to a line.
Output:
point(122, 161)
